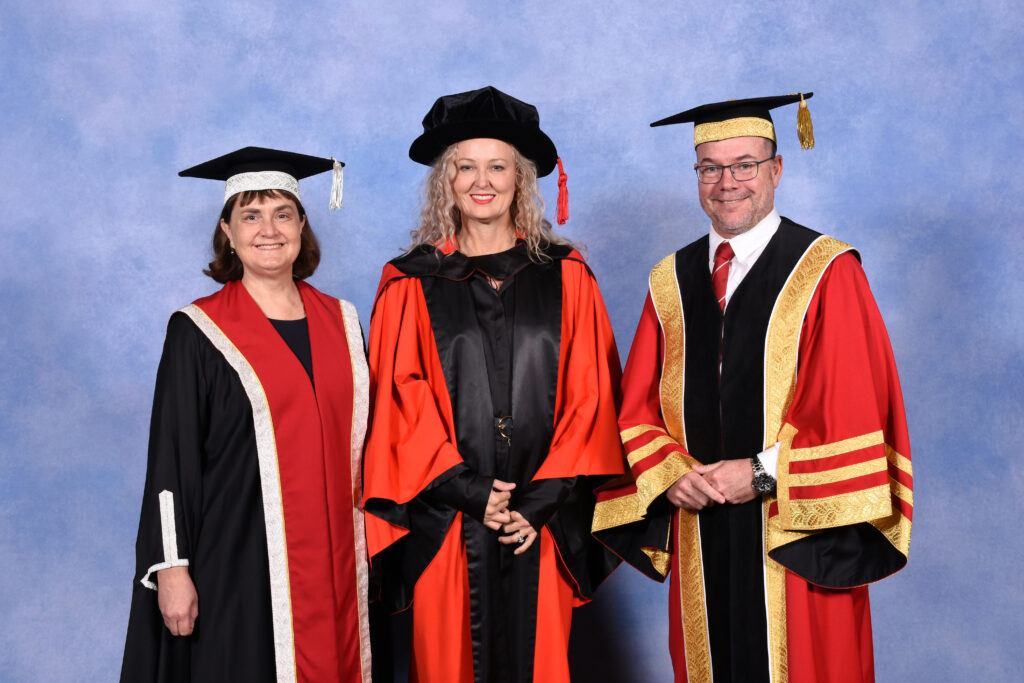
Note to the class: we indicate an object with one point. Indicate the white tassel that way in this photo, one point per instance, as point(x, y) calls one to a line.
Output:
point(337, 184)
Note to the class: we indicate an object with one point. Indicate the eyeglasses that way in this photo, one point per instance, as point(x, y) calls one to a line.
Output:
point(741, 170)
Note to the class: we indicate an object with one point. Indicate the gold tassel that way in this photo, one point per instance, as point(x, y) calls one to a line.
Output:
point(804, 129)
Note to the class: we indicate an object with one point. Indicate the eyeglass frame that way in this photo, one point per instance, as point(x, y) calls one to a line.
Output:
point(732, 170)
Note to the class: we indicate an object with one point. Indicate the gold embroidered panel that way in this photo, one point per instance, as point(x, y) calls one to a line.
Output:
point(781, 349)
point(615, 512)
point(648, 449)
point(741, 126)
point(690, 575)
point(660, 559)
point(828, 450)
point(775, 599)
point(669, 307)
point(653, 482)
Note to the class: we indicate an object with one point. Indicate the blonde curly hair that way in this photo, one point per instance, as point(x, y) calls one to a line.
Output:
point(441, 219)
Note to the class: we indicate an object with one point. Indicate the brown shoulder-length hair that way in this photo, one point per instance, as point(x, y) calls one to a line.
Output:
point(441, 220)
point(226, 266)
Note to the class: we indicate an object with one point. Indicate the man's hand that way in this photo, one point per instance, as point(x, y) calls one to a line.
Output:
point(691, 492)
point(731, 478)
point(177, 599)
point(497, 514)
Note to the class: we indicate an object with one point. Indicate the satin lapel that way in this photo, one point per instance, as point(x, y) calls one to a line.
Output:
point(537, 332)
point(460, 347)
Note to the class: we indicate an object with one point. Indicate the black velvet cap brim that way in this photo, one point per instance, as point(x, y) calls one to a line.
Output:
point(531, 142)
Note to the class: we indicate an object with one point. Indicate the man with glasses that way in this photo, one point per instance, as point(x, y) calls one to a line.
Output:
point(764, 428)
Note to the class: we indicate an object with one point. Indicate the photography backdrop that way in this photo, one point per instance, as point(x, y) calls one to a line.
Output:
point(918, 114)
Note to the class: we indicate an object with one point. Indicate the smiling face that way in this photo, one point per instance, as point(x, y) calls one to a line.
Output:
point(485, 181)
point(266, 234)
point(735, 206)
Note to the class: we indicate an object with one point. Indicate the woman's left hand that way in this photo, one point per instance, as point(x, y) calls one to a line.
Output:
point(519, 532)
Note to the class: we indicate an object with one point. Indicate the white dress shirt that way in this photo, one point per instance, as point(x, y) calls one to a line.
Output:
point(747, 247)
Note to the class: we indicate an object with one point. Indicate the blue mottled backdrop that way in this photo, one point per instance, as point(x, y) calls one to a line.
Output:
point(918, 113)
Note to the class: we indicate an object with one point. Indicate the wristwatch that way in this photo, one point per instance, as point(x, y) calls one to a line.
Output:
point(763, 482)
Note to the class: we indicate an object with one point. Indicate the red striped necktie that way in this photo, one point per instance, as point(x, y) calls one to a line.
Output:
point(720, 273)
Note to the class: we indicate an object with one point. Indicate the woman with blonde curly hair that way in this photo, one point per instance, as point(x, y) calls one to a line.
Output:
point(494, 375)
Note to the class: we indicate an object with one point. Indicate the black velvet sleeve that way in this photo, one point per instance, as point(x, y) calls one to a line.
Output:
point(539, 500)
point(462, 489)
point(843, 557)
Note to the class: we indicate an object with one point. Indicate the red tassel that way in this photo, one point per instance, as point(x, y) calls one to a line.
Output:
point(563, 194)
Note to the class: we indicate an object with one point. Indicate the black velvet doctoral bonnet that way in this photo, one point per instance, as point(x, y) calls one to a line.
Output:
point(484, 113)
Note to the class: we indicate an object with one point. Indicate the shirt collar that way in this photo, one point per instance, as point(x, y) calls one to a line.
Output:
point(751, 242)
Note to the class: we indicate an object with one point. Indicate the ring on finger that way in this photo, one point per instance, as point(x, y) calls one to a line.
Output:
point(522, 540)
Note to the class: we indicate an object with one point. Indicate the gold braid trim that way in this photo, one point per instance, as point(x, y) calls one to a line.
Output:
point(689, 572)
point(655, 481)
point(615, 512)
point(896, 528)
point(781, 353)
point(778, 537)
point(633, 432)
point(839, 473)
point(827, 450)
point(742, 126)
point(839, 510)
point(900, 461)
point(660, 559)
point(782, 343)
point(874, 503)
point(669, 307)
point(649, 449)
point(775, 598)
point(902, 492)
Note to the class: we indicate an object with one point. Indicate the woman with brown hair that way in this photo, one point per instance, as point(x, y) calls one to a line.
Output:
point(494, 414)
point(251, 552)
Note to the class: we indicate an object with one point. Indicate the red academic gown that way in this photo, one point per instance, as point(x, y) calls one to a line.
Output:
point(253, 483)
point(774, 589)
point(439, 337)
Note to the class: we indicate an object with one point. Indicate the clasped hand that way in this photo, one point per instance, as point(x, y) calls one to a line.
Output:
point(498, 517)
point(726, 481)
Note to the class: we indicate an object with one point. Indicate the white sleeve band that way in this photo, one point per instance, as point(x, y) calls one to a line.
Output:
point(770, 460)
point(169, 533)
point(157, 567)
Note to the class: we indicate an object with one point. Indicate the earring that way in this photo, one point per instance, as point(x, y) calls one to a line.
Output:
point(231, 248)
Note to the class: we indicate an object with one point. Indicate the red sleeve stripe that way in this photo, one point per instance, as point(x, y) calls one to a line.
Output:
point(905, 508)
point(836, 461)
point(654, 459)
point(840, 487)
point(644, 439)
point(614, 494)
point(902, 477)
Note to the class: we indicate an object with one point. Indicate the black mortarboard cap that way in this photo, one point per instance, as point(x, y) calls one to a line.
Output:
point(484, 113)
point(739, 118)
point(259, 168)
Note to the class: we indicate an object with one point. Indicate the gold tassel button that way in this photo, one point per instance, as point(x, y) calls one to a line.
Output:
point(804, 129)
